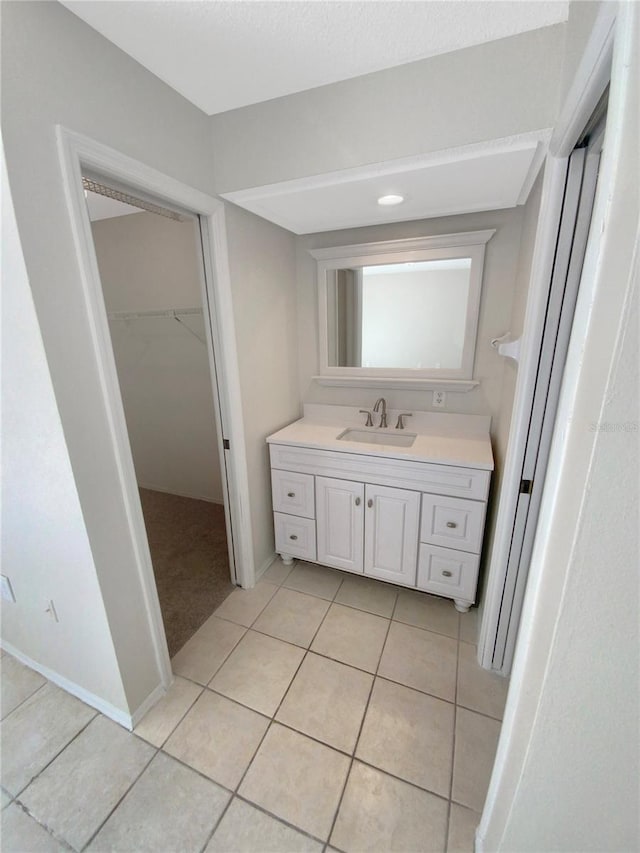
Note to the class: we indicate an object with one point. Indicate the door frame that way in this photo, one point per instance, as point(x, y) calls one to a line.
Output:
point(590, 82)
point(78, 152)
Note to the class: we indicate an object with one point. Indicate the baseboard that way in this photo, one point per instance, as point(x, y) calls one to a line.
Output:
point(148, 704)
point(119, 716)
point(180, 494)
point(263, 568)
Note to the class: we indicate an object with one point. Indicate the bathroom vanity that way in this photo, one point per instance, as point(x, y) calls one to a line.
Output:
point(405, 506)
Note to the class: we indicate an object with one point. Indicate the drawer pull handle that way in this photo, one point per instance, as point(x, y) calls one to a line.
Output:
point(293, 536)
point(451, 524)
point(370, 503)
point(447, 574)
point(291, 494)
point(357, 501)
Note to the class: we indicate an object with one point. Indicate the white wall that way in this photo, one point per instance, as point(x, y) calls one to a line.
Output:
point(414, 319)
point(45, 549)
point(263, 274)
point(567, 770)
point(56, 69)
point(151, 263)
point(488, 91)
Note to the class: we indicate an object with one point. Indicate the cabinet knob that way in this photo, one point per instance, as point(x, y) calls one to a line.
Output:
point(451, 524)
point(447, 574)
point(291, 494)
point(293, 536)
point(357, 501)
point(370, 503)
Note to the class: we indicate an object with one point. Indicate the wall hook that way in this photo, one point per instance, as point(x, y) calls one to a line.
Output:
point(507, 347)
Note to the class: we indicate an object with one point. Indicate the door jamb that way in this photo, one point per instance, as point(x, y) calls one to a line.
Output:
point(76, 152)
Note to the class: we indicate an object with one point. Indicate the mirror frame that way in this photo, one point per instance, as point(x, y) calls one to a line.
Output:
point(469, 244)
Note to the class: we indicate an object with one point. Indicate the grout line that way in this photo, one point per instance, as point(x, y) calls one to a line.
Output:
point(272, 721)
point(122, 798)
point(31, 695)
point(362, 721)
point(17, 799)
point(453, 741)
point(50, 832)
point(60, 751)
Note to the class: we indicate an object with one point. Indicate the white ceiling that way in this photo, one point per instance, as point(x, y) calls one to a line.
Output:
point(487, 176)
point(222, 55)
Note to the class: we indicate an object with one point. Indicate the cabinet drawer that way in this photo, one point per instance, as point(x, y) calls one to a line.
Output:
point(452, 522)
point(293, 493)
point(295, 536)
point(444, 571)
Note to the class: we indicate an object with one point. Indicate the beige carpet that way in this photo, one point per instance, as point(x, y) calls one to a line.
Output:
point(188, 543)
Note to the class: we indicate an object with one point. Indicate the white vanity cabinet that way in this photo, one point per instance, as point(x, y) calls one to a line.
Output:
point(367, 529)
point(412, 523)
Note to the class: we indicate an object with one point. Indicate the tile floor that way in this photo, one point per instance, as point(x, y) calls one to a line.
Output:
point(318, 711)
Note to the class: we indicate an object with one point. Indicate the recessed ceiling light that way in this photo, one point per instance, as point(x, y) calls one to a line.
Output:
point(387, 200)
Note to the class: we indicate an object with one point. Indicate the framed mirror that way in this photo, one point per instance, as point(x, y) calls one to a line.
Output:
point(405, 310)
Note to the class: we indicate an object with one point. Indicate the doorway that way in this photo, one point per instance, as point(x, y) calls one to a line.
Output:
point(151, 270)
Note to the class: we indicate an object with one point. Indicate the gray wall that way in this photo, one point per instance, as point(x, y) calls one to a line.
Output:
point(56, 69)
point(150, 263)
point(263, 271)
point(484, 92)
point(45, 549)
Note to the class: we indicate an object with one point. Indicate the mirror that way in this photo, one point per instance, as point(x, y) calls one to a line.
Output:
point(403, 310)
point(400, 315)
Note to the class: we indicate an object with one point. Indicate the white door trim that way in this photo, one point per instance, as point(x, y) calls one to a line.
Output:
point(543, 600)
point(77, 152)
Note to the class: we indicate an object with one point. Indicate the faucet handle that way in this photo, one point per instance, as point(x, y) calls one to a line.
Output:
point(400, 423)
point(369, 418)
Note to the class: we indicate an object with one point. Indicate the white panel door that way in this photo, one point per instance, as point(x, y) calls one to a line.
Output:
point(392, 520)
point(339, 520)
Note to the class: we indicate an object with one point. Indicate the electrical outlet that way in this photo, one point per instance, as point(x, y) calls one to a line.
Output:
point(439, 399)
point(5, 589)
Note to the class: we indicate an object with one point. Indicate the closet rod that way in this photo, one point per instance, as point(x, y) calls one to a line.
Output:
point(170, 313)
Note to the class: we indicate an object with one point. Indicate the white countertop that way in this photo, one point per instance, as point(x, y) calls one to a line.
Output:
point(442, 439)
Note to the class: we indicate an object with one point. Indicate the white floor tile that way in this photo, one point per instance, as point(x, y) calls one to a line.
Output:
point(420, 659)
point(22, 834)
point(36, 732)
point(218, 737)
point(169, 808)
point(476, 742)
point(203, 655)
point(244, 606)
point(162, 719)
point(297, 779)
point(410, 735)
point(352, 637)
point(327, 701)
point(258, 672)
point(379, 813)
point(17, 683)
point(75, 794)
point(246, 829)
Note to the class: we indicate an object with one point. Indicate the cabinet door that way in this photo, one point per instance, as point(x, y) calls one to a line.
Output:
point(339, 521)
point(391, 534)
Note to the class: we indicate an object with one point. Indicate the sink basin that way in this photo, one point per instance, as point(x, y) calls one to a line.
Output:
point(390, 438)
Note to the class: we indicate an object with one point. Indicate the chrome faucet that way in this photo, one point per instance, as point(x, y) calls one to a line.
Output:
point(383, 414)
